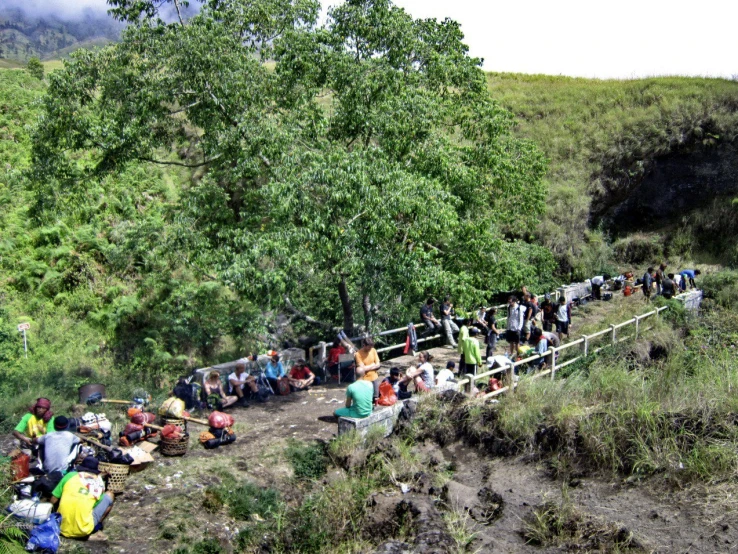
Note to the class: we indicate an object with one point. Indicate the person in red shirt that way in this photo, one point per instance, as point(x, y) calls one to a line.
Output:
point(334, 357)
point(300, 376)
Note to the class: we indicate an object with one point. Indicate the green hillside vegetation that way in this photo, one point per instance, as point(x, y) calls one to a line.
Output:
point(601, 137)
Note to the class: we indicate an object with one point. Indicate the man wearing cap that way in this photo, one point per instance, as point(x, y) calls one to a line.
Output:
point(58, 447)
point(35, 423)
point(82, 500)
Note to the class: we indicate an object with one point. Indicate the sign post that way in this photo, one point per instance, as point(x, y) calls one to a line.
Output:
point(24, 327)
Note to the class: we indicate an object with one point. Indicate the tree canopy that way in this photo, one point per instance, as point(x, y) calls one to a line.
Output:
point(361, 159)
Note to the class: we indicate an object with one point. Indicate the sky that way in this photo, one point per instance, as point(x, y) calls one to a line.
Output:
point(583, 38)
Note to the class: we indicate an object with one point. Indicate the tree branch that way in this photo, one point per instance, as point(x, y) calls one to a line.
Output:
point(301, 315)
point(179, 14)
point(162, 162)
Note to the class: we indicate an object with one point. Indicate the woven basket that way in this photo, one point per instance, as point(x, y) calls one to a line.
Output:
point(181, 423)
point(174, 447)
point(118, 474)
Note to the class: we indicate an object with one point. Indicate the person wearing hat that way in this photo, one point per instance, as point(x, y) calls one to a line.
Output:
point(301, 377)
point(81, 500)
point(274, 371)
point(58, 447)
point(35, 423)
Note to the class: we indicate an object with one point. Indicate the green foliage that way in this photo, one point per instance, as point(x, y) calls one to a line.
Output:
point(35, 68)
point(722, 287)
point(243, 499)
point(308, 461)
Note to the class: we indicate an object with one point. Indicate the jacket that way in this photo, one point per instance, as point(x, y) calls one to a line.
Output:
point(469, 347)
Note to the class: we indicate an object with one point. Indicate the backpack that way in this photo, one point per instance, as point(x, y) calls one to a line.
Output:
point(283, 387)
point(387, 396)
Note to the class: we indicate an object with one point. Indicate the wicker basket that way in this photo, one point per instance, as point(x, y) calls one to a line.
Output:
point(118, 474)
point(181, 423)
point(174, 447)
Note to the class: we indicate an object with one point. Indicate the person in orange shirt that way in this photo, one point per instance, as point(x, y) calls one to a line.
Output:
point(367, 359)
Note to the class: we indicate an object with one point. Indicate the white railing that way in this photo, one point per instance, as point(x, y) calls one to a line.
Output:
point(563, 290)
point(585, 342)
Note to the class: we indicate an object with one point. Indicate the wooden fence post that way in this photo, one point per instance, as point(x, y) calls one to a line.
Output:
point(511, 377)
point(638, 321)
point(586, 345)
point(470, 386)
point(612, 327)
point(553, 363)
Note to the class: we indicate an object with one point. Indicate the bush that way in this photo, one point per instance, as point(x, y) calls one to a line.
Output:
point(243, 499)
point(639, 249)
point(308, 461)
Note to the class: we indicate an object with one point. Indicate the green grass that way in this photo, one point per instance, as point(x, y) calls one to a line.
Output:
point(595, 132)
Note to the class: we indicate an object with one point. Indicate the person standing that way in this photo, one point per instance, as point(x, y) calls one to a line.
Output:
point(689, 275)
point(367, 360)
point(647, 282)
point(669, 287)
point(493, 333)
point(471, 355)
point(549, 313)
point(563, 317)
point(659, 277)
point(597, 284)
point(515, 315)
point(449, 326)
point(527, 306)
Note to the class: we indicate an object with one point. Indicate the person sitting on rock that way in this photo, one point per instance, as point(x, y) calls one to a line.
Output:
point(82, 501)
point(301, 377)
point(398, 382)
point(239, 380)
point(422, 375)
point(359, 398)
point(37, 422)
point(215, 396)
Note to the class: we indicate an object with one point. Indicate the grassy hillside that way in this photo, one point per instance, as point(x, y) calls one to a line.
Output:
point(602, 138)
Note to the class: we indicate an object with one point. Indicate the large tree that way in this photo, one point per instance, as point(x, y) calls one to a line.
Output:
point(363, 156)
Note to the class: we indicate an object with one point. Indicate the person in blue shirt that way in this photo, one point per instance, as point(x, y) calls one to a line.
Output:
point(689, 274)
point(274, 371)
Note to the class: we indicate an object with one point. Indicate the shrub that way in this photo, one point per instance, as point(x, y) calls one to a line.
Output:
point(308, 461)
point(639, 248)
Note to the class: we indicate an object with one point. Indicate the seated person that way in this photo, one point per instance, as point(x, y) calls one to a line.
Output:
point(367, 359)
point(422, 375)
point(445, 378)
point(35, 423)
point(184, 391)
point(301, 377)
point(334, 357)
point(274, 371)
point(398, 382)
point(214, 394)
point(82, 500)
point(359, 398)
point(58, 447)
point(239, 380)
point(540, 343)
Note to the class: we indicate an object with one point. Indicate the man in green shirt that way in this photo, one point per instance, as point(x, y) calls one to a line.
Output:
point(38, 421)
point(82, 501)
point(359, 398)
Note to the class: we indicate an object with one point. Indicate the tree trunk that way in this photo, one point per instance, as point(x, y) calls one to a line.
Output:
point(367, 305)
point(348, 312)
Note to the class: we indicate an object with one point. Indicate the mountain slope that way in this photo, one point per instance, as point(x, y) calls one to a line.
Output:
point(23, 36)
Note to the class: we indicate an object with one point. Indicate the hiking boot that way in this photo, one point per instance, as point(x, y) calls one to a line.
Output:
point(99, 536)
point(242, 402)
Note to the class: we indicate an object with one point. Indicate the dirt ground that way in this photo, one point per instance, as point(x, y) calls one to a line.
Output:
point(164, 502)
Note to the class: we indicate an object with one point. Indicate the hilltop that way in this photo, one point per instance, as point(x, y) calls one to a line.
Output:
point(47, 36)
point(655, 155)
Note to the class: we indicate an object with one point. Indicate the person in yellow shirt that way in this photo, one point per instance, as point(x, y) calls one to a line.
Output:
point(82, 502)
point(35, 423)
point(367, 360)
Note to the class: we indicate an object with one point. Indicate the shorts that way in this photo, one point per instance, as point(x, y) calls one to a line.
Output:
point(548, 325)
point(526, 328)
point(562, 327)
point(99, 511)
point(512, 336)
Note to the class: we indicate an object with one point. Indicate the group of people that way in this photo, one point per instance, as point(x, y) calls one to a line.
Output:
point(68, 472)
point(667, 285)
point(243, 385)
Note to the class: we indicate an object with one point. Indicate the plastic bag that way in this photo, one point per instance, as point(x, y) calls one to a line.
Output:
point(45, 536)
point(387, 396)
point(172, 407)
